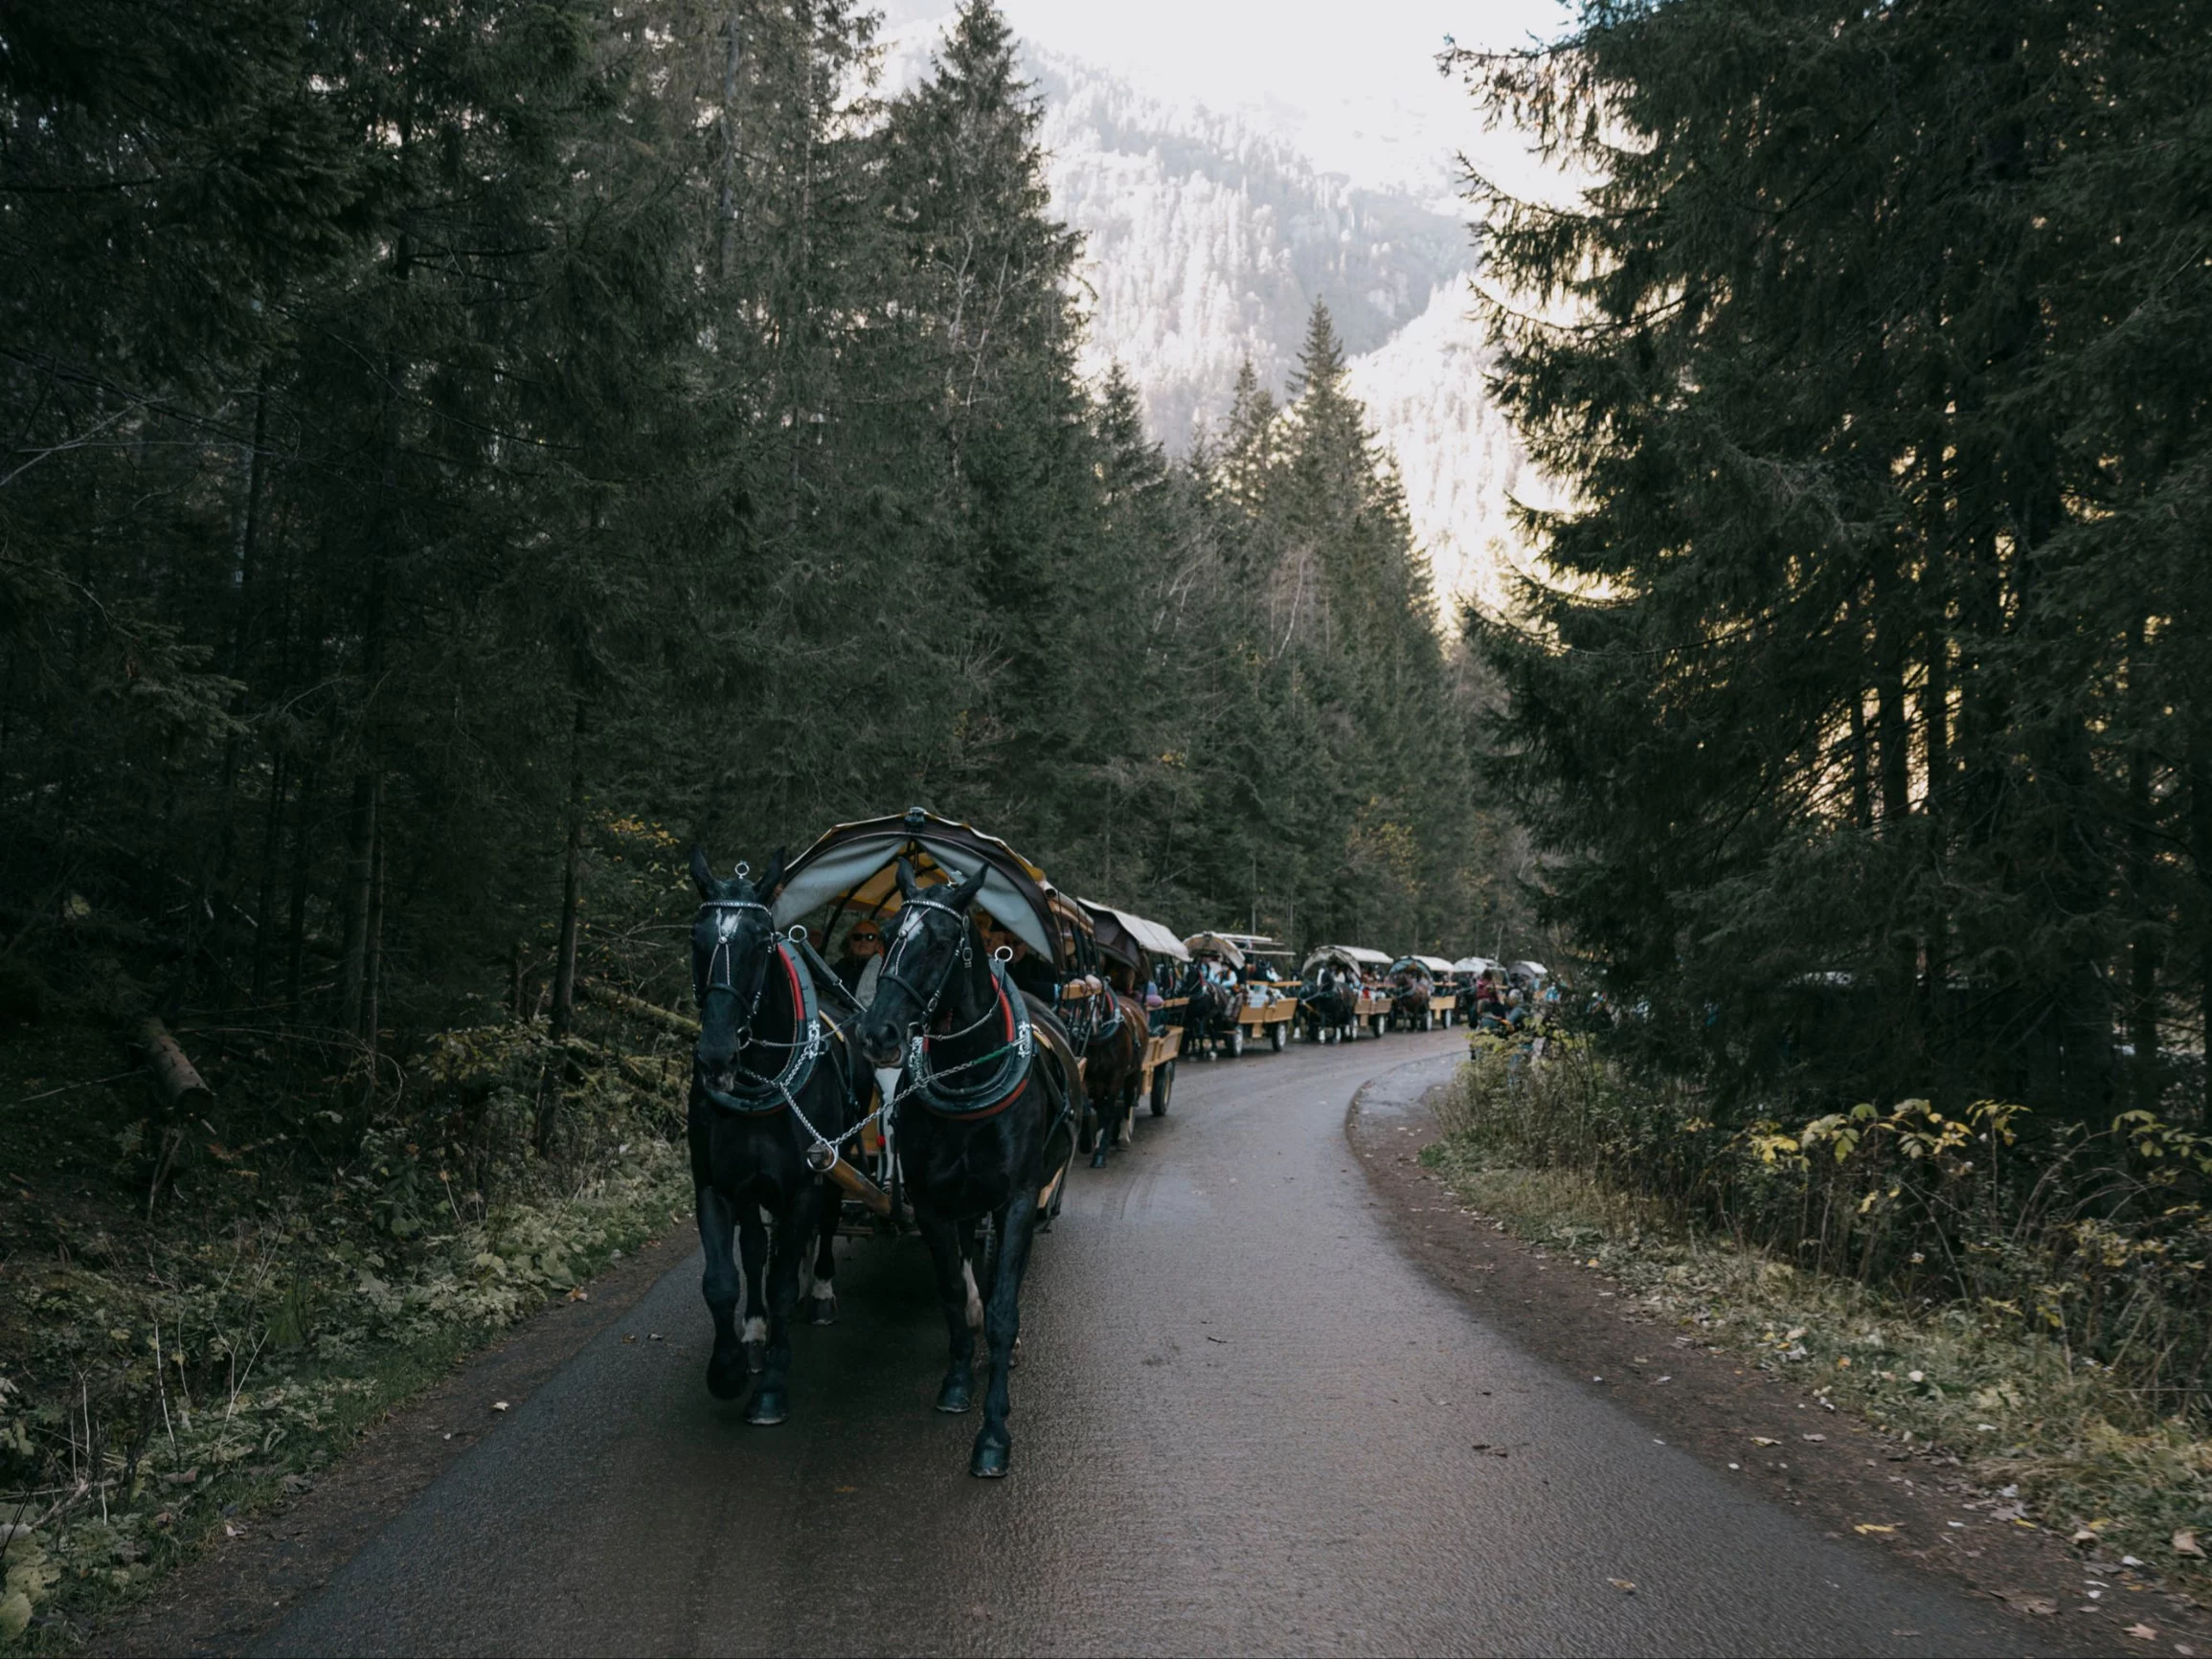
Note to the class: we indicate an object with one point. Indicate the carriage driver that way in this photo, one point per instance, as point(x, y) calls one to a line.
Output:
point(1023, 966)
point(862, 964)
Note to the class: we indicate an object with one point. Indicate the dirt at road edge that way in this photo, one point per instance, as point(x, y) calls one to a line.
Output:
point(228, 1599)
point(1837, 1471)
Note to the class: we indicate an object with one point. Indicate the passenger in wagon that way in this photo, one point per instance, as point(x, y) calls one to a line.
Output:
point(862, 963)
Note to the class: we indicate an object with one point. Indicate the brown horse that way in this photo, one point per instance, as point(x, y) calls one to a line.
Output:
point(1114, 1067)
point(1410, 1000)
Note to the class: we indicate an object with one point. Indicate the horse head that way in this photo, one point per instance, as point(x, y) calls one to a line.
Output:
point(932, 938)
point(732, 937)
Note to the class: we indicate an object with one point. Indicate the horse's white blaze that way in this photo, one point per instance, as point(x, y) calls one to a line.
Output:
point(975, 1297)
point(756, 1330)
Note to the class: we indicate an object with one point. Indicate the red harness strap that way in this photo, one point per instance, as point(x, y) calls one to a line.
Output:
point(977, 1114)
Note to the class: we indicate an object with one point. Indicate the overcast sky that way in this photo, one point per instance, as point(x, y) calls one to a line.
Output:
point(1354, 84)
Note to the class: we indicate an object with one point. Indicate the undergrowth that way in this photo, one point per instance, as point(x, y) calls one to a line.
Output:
point(2041, 1318)
point(173, 1359)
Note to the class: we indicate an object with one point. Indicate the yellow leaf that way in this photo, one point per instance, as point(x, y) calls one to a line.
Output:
point(1869, 1527)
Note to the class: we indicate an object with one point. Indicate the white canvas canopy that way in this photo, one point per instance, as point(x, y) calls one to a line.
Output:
point(1358, 955)
point(1199, 944)
point(1437, 964)
point(857, 863)
point(1148, 933)
point(1533, 970)
point(1472, 965)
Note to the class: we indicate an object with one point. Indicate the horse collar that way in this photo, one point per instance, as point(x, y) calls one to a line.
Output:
point(753, 1095)
point(972, 1103)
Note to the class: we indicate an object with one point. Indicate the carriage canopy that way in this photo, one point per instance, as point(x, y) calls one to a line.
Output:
point(1472, 965)
point(1130, 938)
point(1220, 945)
point(1353, 956)
point(1436, 967)
point(852, 868)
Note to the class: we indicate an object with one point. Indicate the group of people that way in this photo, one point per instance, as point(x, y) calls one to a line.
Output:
point(1494, 1003)
point(1497, 1004)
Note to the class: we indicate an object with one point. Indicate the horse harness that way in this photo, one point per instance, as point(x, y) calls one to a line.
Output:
point(751, 1094)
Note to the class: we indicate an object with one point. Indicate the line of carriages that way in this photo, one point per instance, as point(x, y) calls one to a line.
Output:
point(1201, 996)
point(980, 1028)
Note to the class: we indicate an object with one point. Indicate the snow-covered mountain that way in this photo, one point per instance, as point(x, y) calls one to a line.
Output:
point(1207, 237)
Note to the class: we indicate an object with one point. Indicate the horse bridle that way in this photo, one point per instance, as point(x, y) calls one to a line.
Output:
point(720, 956)
point(891, 973)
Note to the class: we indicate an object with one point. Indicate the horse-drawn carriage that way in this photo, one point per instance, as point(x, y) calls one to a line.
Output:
point(1213, 992)
point(852, 874)
point(1340, 992)
point(1135, 952)
point(1268, 1001)
point(1421, 993)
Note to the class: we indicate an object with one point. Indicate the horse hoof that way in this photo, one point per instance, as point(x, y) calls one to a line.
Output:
point(822, 1311)
point(770, 1408)
point(990, 1458)
point(957, 1395)
point(1098, 1158)
point(756, 1357)
point(725, 1381)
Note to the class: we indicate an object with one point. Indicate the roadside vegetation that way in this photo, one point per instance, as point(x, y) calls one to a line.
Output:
point(2035, 1305)
point(198, 1313)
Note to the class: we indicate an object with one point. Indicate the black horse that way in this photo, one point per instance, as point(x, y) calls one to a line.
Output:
point(986, 1120)
point(1209, 1013)
point(1327, 1004)
point(771, 1082)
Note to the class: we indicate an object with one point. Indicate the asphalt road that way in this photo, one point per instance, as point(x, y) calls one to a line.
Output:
point(1242, 1423)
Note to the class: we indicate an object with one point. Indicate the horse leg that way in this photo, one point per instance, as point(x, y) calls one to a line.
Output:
point(1003, 1329)
point(1106, 1102)
point(957, 1391)
point(725, 1370)
point(753, 1250)
point(794, 1229)
point(824, 1295)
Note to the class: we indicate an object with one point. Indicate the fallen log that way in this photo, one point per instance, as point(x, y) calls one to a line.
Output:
point(173, 1075)
point(637, 1008)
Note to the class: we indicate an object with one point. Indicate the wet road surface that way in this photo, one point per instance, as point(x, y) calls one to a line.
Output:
point(1242, 1423)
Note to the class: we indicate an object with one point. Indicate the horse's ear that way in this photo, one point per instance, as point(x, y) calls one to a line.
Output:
point(906, 883)
point(702, 873)
point(965, 895)
point(774, 879)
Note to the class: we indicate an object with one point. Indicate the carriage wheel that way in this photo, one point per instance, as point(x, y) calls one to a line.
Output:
point(1426, 1023)
point(1163, 1087)
point(1236, 1042)
point(1278, 1035)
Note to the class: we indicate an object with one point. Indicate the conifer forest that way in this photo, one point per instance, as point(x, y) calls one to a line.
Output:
point(456, 450)
point(1724, 593)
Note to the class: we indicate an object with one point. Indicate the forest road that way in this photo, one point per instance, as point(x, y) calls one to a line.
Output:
point(1244, 1422)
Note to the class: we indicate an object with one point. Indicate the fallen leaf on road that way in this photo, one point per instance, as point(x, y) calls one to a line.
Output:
point(2042, 1605)
point(2082, 1536)
point(2185, 1544)
point(499, 1405)
point(2142, 1632)
point(1870, 1527)
point(1762, 1439)
point(1813, 1437)
point(1623, 1585)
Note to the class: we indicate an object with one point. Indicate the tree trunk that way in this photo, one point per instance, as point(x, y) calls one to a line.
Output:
point(564, 1001)
point(265, 897)
point(303, 877)
point(355, 897)
point(725, 209)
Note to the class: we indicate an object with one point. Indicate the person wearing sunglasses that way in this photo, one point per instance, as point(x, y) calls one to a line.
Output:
point(862, 963)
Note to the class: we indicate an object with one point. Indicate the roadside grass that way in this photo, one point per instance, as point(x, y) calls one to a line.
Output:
point(2057, 1439)
point(162, 1379)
